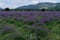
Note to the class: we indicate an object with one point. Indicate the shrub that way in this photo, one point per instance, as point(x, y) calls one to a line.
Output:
point(43, 9)
point(7, 9)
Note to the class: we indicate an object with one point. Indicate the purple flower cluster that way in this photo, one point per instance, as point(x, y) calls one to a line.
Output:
point(6, 29)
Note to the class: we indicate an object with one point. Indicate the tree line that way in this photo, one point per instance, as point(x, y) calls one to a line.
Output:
point(8, 9)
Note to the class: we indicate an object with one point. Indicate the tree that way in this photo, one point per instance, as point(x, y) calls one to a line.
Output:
point(43, 9)
point(7, 9)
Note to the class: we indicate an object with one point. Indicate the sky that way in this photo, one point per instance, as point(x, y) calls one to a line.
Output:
point(17, 3)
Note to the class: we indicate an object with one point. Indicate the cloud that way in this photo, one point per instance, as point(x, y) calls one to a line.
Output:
point(17, 3)
point(13, 3)
point(2, 5)
point(34, 2)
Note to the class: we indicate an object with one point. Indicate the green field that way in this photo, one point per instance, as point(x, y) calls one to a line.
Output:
point(14, 29)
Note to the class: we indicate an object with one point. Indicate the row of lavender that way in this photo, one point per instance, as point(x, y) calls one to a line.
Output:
point(35, 16)
point(30, 16)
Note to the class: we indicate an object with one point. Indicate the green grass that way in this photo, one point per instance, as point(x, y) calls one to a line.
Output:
point(53, 27)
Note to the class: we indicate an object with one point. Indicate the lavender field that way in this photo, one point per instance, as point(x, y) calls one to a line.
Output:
point(30, 25)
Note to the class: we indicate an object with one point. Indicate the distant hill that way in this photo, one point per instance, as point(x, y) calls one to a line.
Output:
point(0, 8)
point(46, 5)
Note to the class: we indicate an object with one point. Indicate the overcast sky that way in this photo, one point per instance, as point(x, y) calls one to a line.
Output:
point(17, 3)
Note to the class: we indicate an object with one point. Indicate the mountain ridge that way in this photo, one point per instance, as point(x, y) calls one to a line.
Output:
point(41, 5)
